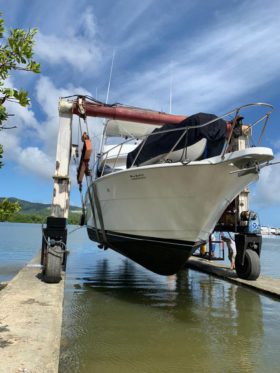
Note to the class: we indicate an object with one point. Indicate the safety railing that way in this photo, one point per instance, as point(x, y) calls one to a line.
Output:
point(236, 113)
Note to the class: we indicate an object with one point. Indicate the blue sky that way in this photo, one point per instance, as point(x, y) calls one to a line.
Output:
point(220, 55)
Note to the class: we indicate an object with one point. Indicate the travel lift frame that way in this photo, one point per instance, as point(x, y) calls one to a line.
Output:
point(236, 217)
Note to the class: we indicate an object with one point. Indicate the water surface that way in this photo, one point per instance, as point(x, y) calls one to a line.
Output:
point(18, 245)
point(119, 317)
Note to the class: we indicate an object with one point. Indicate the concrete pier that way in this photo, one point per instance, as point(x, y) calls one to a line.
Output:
point(267, 285)
point(30, 323)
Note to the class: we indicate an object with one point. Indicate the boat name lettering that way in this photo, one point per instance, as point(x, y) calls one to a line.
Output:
point(137, 177)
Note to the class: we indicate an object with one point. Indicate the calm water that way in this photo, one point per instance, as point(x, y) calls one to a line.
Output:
point(18, 245)
point(118, 317)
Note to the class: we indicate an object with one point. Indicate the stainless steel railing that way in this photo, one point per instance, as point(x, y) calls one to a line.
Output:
point(236, 113)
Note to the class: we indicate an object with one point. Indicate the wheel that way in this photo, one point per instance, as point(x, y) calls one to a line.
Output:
point(251, 268)
point(53, 264)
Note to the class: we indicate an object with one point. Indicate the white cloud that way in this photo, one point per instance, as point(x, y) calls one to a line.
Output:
point(276, 144)
point(88, 23)
point(22, 117)
point(38, 158)
point(218, 67)
point(267, 189)
point(75, 51)
point(129, 28)
point(30, 159)
point(48, 96)
point(34, 160)
point(10, 141)
point(77, 46)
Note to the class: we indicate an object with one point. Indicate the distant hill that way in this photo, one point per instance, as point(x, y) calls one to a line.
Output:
point(37, 208)
point(37, 212)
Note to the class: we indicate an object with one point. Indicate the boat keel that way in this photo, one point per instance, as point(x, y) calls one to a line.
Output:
point(160, 256)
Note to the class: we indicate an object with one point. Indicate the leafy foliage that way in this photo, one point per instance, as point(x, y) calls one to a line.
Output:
point(16, 53)
point(7, 209)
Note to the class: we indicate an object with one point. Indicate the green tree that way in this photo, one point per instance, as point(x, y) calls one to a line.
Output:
point(7, 209)
point(16, 53)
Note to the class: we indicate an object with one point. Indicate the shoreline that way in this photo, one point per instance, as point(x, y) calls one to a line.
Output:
point(3, 284)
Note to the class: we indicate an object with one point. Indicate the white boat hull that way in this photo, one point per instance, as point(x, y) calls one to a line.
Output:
point(168, 204)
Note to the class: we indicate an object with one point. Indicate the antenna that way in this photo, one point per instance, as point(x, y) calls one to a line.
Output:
point(170, 88)
point(109, 84)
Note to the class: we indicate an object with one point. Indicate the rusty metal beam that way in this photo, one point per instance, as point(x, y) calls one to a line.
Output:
point(125, 113)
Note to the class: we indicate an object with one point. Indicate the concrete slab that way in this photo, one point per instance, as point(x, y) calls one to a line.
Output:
point(30, 323)
point(266, 285)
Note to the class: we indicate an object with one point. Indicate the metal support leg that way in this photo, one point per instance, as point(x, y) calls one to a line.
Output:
point(53, 256)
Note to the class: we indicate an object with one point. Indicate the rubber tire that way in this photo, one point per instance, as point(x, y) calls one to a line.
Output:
point(251, 268)
point(53, 265)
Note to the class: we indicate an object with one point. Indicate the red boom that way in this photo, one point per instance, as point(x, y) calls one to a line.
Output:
point(126, 113)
